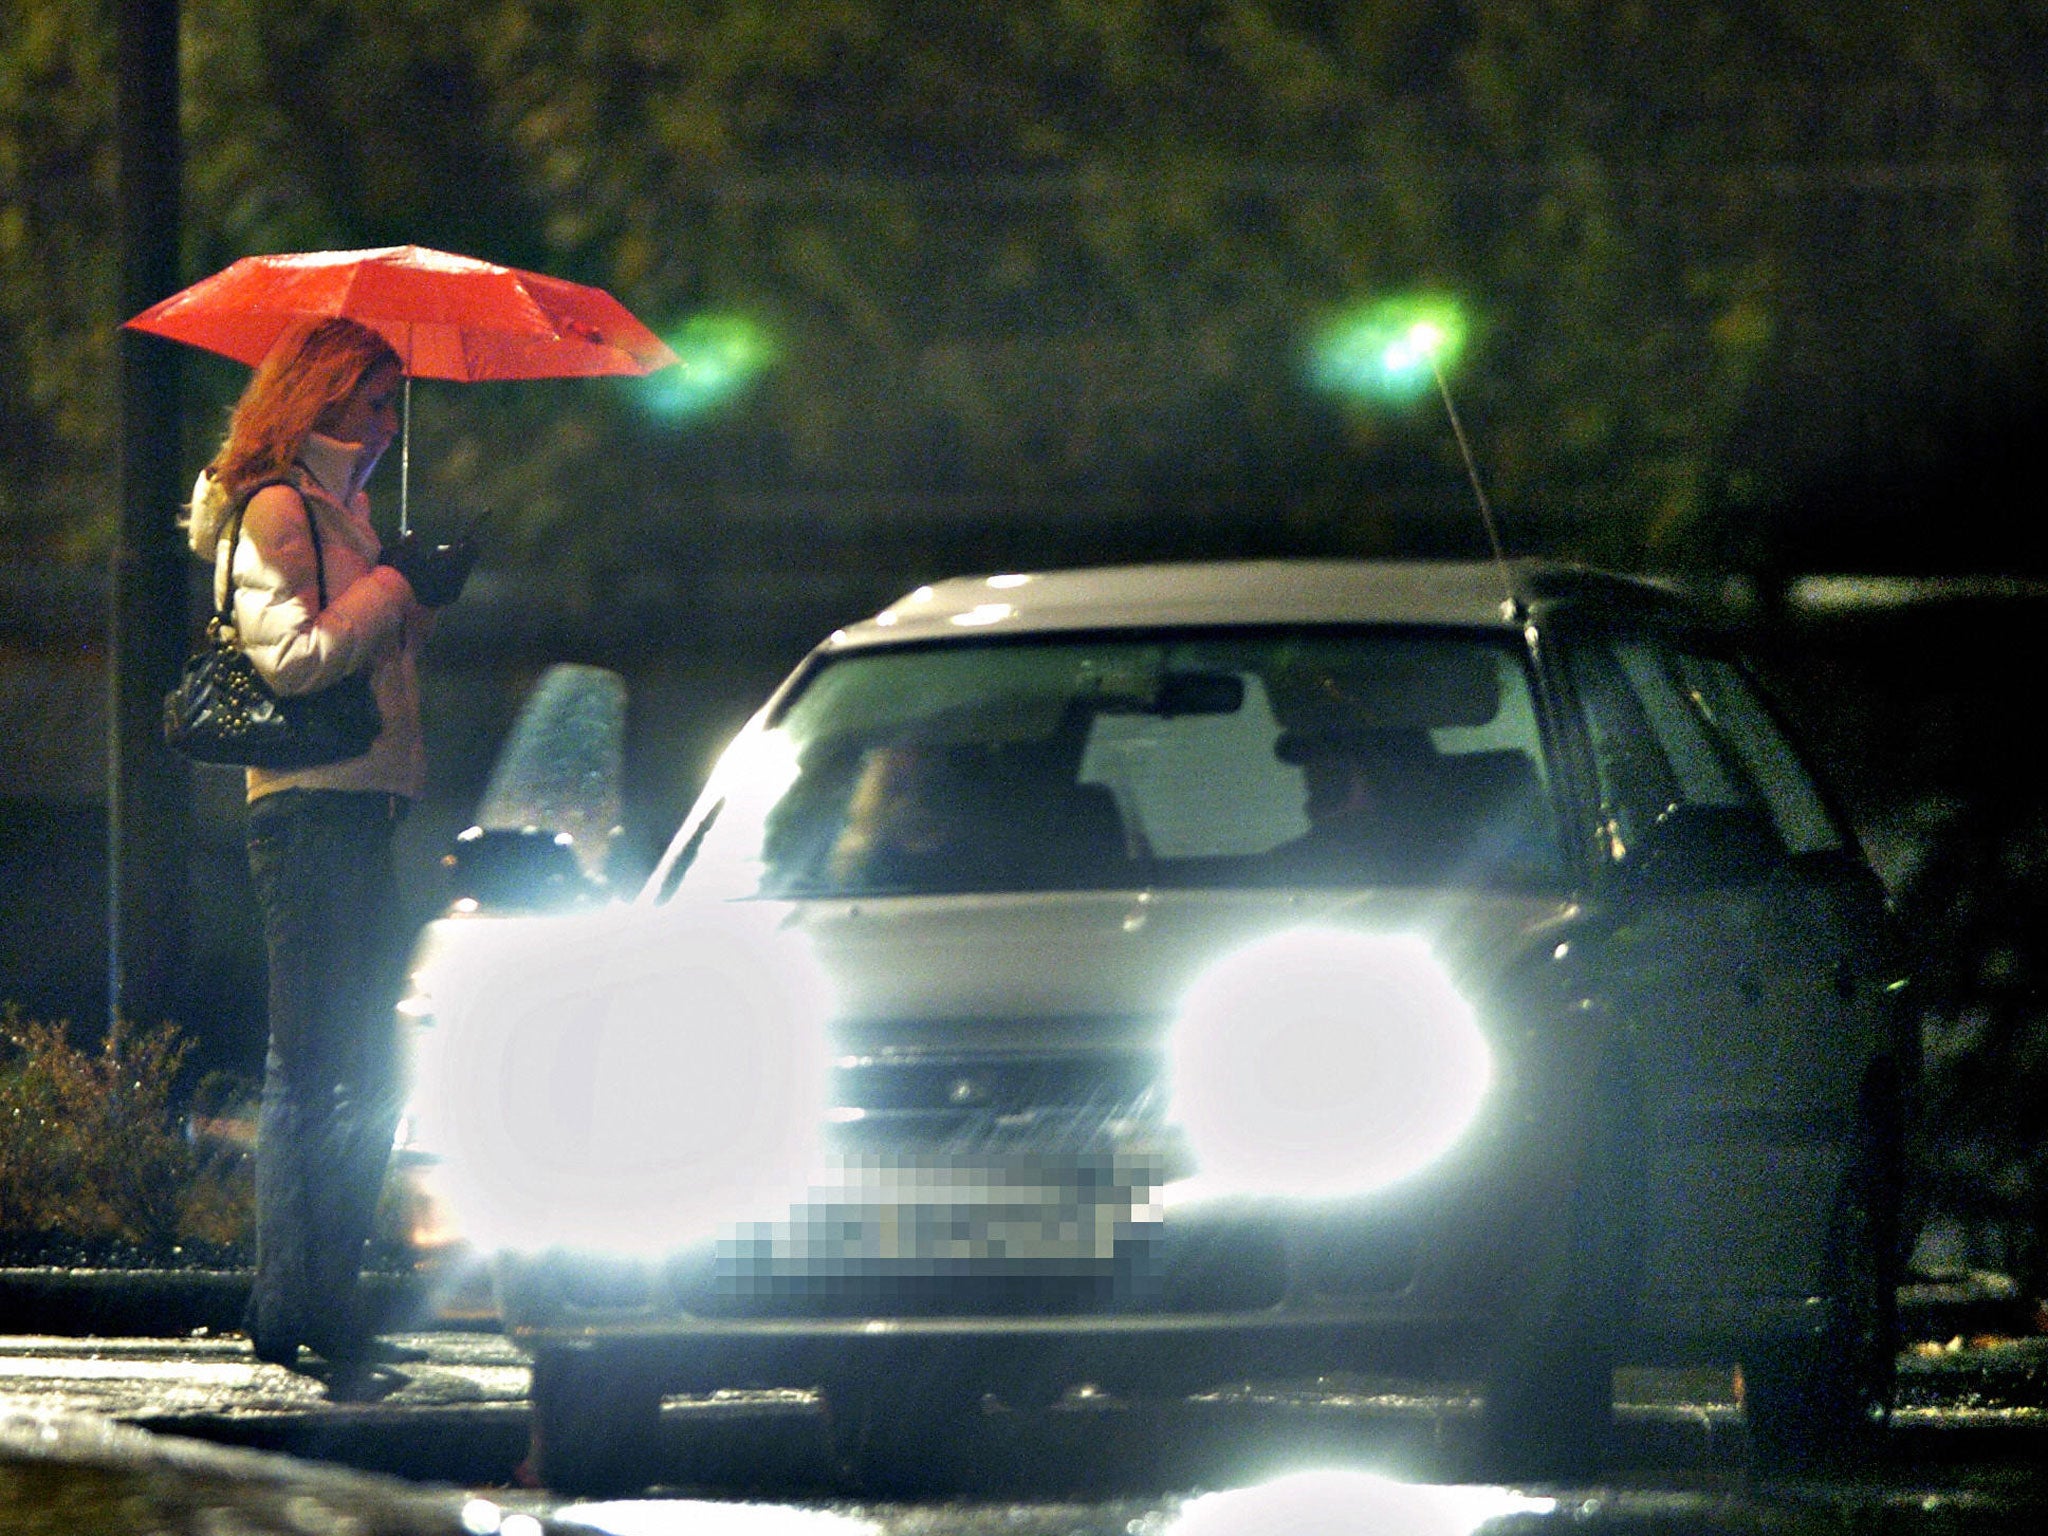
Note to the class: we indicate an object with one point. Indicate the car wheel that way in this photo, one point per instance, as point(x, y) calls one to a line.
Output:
point(1810, 1401)
point(1548, 1409)
point(596, 1424)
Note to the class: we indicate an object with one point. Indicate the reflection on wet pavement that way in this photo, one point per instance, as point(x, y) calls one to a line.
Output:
point(1347, 1500)
point(1334, 1455)
point(152, 1379)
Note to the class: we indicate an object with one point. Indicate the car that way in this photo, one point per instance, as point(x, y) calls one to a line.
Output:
point(1150, 977)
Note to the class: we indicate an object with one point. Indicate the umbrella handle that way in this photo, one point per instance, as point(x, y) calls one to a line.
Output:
point(405, 461)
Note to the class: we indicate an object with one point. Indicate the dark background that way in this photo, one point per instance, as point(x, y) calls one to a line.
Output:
point(1753, 293)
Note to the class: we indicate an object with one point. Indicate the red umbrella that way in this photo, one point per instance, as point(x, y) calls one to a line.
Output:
point(447, 316)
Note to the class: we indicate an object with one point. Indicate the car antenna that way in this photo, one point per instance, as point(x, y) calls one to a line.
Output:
point(1426, 340)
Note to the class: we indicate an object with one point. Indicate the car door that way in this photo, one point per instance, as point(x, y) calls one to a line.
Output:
point(1738, 942)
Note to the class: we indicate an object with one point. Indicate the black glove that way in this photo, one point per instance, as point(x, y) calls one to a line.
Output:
point(435, 572)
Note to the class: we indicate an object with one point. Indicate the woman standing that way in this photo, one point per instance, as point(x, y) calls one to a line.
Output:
point(316, 598)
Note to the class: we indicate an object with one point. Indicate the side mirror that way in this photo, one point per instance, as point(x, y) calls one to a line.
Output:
point(1699, 845)
point(521, 869)
point(546, 823)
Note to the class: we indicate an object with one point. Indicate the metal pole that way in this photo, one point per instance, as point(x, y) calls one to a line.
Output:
point(405, 465)
point(147, 631)
point(1510, 604)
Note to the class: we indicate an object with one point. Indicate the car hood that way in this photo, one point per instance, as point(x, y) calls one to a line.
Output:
point(1044, 970)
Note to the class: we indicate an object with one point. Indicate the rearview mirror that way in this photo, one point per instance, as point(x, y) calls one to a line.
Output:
point(1186, 693)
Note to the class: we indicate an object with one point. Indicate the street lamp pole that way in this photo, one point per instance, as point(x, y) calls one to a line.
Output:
point(147, 787)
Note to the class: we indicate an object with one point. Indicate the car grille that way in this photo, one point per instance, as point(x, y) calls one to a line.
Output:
point(987, 1183)
point(962, 1101)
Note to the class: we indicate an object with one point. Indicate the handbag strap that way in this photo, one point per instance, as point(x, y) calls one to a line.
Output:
point(223, 614)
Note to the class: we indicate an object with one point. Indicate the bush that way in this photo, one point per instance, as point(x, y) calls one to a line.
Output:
point(93, 1144)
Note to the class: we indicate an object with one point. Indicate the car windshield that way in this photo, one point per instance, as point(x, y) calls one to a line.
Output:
point(1311, 756)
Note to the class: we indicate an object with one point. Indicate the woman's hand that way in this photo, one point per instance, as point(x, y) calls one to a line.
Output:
point(435, 572)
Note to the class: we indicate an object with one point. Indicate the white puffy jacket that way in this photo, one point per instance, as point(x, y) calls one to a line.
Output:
point(371, 619)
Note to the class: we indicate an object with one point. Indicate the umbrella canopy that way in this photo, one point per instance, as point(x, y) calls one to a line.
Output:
point(447, 316)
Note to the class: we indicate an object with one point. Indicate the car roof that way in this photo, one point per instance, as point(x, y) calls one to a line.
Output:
point(1466, 593)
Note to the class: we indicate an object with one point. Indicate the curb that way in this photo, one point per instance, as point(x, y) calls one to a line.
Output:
point(76, 1471)
point(118, 1303)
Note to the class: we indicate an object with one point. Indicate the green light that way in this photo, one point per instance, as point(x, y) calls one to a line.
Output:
point(721, 354)
point(1391, 349)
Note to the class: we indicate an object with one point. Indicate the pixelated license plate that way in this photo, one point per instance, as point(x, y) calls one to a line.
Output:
point(950, 1214)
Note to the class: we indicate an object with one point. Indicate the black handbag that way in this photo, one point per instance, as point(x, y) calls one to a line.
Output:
point(222, 711)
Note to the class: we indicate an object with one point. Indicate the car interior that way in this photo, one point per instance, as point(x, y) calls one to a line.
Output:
point(1408, 764)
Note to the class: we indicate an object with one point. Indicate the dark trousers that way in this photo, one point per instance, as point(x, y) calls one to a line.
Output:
point(322, 868)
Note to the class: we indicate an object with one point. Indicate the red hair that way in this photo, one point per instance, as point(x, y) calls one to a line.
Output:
point(311, 370)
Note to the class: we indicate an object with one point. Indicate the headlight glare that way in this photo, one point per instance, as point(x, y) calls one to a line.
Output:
point(1324, 1062)
point(629, 1083)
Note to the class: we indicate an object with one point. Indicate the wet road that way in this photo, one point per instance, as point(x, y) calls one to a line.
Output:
point(1967, 1452)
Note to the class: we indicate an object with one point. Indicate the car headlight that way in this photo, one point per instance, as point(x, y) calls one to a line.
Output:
point(627, 1082)
point(1324, 1062)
